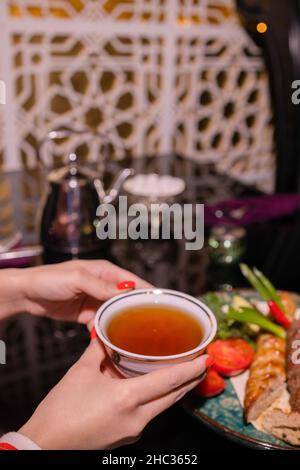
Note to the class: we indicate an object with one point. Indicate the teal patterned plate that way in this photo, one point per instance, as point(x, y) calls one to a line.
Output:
point(224, 415)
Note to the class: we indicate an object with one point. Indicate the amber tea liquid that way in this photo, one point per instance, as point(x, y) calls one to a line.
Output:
point(155, 330)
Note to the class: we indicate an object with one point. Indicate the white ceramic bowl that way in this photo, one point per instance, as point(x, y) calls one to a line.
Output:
point(131, 364)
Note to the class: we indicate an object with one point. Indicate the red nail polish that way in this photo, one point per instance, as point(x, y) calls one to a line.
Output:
point(93, 334)
point(209, 362)
point(126, 285)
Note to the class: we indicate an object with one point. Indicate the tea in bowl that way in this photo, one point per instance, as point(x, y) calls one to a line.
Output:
point(144, 330)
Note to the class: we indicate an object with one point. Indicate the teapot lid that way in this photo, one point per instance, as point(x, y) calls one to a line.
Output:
point(70, 171)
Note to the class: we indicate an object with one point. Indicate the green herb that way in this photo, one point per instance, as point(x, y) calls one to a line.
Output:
point(255, 283)
point(248, 315)
point(273, 294)
point(227, 327)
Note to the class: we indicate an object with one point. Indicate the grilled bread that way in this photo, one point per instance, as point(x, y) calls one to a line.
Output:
point(266, 380)
point(283, 426)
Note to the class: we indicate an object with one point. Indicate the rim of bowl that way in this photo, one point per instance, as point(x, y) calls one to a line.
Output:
point(157, 291)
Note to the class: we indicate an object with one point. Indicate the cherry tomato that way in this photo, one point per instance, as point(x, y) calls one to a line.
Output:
point(231, 356)
point(211, 385)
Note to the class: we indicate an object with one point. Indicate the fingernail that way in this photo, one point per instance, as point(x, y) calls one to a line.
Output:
point(209, 362)
point(93, 334)
point(126, 285)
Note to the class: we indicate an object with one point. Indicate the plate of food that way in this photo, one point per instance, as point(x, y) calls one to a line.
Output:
point(251, 394)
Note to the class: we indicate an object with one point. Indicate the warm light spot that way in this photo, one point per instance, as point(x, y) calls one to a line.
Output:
point(184, 22)
point(262, 28)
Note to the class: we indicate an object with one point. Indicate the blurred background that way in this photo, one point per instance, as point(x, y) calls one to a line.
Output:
point(157, 75)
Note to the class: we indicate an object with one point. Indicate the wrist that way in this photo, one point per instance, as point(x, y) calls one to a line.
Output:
point(12, 292)
point(41, 435)
point(28, 431)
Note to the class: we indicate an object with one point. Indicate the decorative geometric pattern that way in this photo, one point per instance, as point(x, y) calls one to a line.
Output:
point(223, 109)
point(155, 76)
point(92, 10)
point(80, 83)
point(7, 225)
point(213, 12)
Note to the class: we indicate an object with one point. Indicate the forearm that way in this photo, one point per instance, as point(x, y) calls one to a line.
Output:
point(12, 297)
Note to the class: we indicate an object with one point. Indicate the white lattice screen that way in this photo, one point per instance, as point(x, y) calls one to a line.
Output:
point(158, 75)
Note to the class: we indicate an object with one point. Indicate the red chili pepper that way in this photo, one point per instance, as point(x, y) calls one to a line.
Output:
point(278, 314)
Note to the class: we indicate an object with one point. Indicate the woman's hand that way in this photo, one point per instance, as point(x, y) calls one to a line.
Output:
point(75, 289)
point(93, 408)
point(65, 291)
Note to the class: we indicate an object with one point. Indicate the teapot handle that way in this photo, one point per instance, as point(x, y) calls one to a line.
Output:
point(62, 133)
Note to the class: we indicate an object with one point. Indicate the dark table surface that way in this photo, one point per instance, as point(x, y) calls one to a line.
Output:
point(39, 351)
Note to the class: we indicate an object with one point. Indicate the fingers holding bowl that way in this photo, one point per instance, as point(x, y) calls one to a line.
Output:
point(163, 381)
point(161, 389)
point(111, 273)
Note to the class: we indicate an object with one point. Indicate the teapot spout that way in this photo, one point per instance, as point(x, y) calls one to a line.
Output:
point(116, 187)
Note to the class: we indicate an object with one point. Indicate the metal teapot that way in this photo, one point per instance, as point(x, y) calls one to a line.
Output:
point(67, 216)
